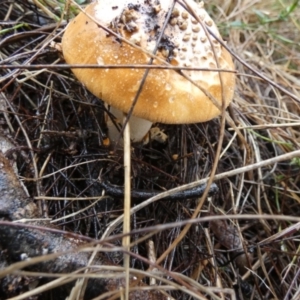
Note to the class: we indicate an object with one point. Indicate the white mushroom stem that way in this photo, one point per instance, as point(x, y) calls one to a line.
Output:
point(138, 127)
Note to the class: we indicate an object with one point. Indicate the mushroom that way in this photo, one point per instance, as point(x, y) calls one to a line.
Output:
point(126, 33)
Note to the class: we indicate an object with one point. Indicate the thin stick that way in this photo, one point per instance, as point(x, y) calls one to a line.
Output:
point(127, 205)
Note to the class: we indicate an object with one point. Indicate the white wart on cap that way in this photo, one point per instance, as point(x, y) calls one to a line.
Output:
point(167, 96)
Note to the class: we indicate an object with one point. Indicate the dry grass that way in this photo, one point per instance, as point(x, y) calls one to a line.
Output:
point(245, 243)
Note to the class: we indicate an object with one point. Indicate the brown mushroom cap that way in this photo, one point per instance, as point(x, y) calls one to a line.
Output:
point(167, 96)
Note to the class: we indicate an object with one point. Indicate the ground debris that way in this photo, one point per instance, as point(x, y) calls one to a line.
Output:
point(24, 242)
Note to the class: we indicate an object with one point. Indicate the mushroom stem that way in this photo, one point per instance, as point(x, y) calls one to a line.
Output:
point(138, 127)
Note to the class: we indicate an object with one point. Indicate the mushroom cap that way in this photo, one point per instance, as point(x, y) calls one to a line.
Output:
point(167, 96)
